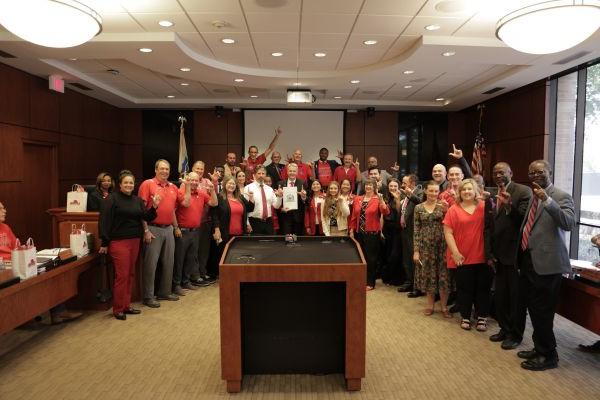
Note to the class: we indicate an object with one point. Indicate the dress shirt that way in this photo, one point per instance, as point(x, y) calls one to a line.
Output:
point(272, 199)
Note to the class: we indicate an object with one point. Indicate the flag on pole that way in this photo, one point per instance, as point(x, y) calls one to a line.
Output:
point(479, 150)
point(183, 165)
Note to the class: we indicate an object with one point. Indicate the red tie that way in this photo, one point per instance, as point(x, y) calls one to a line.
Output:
point(264, 214)
point(291, 184)
point(529, 224)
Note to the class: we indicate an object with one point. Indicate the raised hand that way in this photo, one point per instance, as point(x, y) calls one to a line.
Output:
point(156, 200)
point(279, 192)
point(456, 153)
point(407, 191)
point(444, 204)
point(250, 196)
point(395, 167)
point(210, 187)
point(356, 163)
point(340, 154)
point(243, 163)
point(303, 194)
point(278, 131)
point(215, 175)
point(539, 192)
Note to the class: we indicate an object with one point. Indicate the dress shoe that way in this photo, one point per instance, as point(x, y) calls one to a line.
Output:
point(178, 290)
point(209, 279)
point(509, 344)
point(540, 363)
point(405, 288)
point(132, 311)
point(169, 297)
point(199, 282)
point(527, 354)
point(151, 303)
point(121, 316)
point(498, 337)
point(590, 348)
point(189, 286)
point(414, 294)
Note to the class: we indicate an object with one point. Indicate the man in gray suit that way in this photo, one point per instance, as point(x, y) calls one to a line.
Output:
point(543, 258)
point(512, 202)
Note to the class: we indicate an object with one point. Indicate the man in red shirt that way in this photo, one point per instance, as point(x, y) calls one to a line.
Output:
point(305, 171)
point(349, 170)
point(254, 159)
point(325, 168)
point(7, 237)
point(158, 234)
point(191, 202)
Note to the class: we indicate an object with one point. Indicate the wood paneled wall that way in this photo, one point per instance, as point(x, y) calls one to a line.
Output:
point(215, 136)
point(89, 136)
point(514, 127)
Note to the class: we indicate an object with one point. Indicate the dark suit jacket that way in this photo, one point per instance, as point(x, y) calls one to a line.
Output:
point(409, 212)
point(549, 253)
point(505, 231)
point(297, 215)
point(274, 173)
point(221, 216)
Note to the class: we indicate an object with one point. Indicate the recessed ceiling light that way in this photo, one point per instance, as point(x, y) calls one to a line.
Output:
point(370, 42)
point(165, 23)
point(145, 50)
point(170, 96)
point(185, 69)
point(408, 72)
point(449, 53)
point(432, 27)
point(184, 84)
point(227, 40)
point(276, 54)
point(320, 55)
point(238, 80)
point(407, 86)
point(297, 84)
point(440, 99)
point(354, 81)
point(72, 59)
point(254, 96)
point(337, 97)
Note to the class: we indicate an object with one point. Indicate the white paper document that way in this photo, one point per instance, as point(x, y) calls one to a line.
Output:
point(290, 198)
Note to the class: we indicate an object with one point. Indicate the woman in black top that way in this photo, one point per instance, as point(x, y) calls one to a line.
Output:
point(392, 262)
point(104, 187)
point(121, 229)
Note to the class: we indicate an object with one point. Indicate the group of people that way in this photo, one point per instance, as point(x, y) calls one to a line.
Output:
point(446, 238)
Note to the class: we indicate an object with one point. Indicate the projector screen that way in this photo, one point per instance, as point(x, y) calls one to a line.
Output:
point(308, 131)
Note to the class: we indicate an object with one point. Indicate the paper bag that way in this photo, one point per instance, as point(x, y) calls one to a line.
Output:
point(23, 260)
point(77, 199)
point(78, 241)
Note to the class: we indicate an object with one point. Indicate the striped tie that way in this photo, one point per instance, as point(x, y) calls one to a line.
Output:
point(529, 224)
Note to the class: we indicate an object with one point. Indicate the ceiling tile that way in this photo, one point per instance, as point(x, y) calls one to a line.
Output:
point(211, 6)
point(271, 6)
point(203, 21)
point(402, 44)
point(331, 6)
point(327, 40)
point(265, 22)
point(432, 8)
point(281, 63)
point(151, 6)
point(327, 23)
point(266, 42)
point(387, 7)
point(381, 24)
point(120, 23)
point(196, 42)
point(478, 26)
point(105, 6)
point(240, 56)
point(88, 65)
point(150, 22)
point(321, 65)
point(447, 26)
point(360, 58)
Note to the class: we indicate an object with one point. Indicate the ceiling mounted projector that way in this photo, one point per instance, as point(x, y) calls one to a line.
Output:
point(300, 96)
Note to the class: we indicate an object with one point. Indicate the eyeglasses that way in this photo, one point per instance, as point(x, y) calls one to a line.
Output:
point(536, 173)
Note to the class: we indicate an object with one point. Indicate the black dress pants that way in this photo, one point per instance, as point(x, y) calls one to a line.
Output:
point(262, 226)
point(473, 283)
point(291, 223)
point(370, 244)
point(542, 293)
point(392, 272)
point(408, 264)
point(509, 302)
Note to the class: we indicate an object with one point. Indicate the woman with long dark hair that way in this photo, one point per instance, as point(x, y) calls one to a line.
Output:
point(104, 187)
point(392, 254)
point(313, 223)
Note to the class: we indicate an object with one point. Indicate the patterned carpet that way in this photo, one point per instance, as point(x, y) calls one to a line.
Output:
point(173, 353)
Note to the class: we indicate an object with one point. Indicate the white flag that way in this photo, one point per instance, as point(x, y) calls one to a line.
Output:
point(183, 156)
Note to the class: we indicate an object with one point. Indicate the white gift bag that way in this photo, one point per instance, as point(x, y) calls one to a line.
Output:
point(77, 199)
point(78, 241)
point(23, 259)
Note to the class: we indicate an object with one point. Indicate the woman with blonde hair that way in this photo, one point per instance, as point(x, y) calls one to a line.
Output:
point(335, 212)
point(465, 232)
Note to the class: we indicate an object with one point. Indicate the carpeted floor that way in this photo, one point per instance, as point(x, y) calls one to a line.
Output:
point(173, 353)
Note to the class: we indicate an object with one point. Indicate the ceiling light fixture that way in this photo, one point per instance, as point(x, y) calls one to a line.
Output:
point(407, 86)
point(184, 84)
point(320, 55)
point(185, 69)
point(432, 27)
point(276, 54)
point(440, 99)
point(145, 50)
point(449, 53)
point(370, 42)
point(238, 80)
point(170, 96)
point(228, 41)
point(72, 59)
point(354, 81)
point(337, 97)
point(57, 23)
point(550, 26)
point(166, 24)
point(254, 96)
point(408, 72)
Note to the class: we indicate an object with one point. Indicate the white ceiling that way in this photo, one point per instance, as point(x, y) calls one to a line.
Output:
point(298, 29)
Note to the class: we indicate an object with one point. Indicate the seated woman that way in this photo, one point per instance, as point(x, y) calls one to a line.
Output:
point(121, 231)
point(104, 186)
point(8, 240)
point(431, 274)
point(312, 215)
point(335, 212)
point(464, 226)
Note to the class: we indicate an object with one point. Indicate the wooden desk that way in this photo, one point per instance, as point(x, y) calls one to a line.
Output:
point(580, 303)
point(29, 298)
point(272, 264)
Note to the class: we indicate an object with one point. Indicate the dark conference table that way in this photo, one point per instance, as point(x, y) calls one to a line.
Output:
point(292, 308)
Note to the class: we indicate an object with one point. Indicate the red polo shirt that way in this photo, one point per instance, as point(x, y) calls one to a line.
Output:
point(340, 174)
point(168, 203)
point(8, 241)
point(325, 174)
point(251, 166)
point(304, 172)
point(190, 217)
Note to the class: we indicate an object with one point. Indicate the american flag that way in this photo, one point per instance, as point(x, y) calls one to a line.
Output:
point(479, 151)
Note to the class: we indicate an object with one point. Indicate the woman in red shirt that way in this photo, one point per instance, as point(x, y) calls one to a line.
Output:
point(8, 240)
point(464, 226)
point(313, 215)
point(366, 216)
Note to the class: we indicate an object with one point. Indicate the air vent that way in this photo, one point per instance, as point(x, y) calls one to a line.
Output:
point(494, 90)
point(80, 86)
point(113, 71)
point(221, 91)
point(572, 57)
point(4, 54)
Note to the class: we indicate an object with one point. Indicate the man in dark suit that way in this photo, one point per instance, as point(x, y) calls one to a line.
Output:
point(275, 168)
point(292, 221)
point(543, 258)
point(511, 206)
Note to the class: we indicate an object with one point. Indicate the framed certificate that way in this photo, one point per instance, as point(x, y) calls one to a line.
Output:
point(290, 198)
